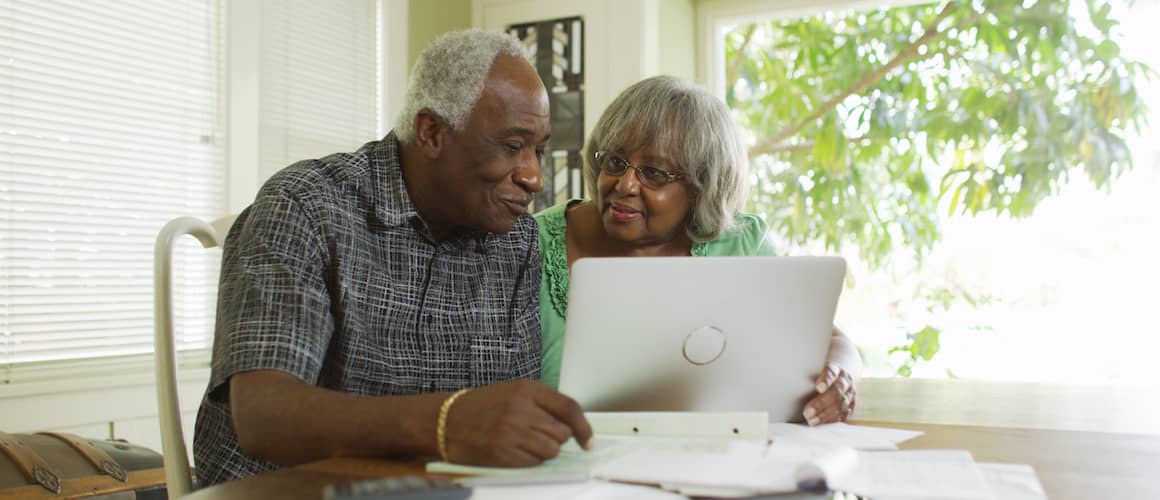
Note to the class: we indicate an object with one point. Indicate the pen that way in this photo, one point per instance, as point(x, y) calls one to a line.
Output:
point(524, 479)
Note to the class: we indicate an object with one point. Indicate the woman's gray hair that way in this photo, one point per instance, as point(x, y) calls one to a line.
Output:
point(694, 129)
point(449, 75)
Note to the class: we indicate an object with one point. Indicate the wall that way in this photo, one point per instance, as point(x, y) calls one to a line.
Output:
point(427, 19)
point(676, 38)
point(625, 40)
point(121, 404)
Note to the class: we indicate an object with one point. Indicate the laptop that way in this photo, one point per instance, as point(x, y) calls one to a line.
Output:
point(699, 333)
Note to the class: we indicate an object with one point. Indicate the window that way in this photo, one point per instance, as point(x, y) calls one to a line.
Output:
point(113, 121)
point(110, 124)
point(996, 152)
point(318, 83)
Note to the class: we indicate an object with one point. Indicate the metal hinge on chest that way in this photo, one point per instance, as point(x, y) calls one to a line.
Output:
point(37, 470)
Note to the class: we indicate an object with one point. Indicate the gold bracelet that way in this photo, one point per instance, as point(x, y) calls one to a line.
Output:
point(441, 423)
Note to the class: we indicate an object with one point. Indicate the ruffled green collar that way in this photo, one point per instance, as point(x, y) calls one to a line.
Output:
point(554, 224)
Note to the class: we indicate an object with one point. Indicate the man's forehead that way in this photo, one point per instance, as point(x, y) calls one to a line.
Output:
point(514, 94)
point(515, 69)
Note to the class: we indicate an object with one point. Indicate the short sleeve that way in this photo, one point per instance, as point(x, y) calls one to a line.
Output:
point(273, 306)
point(761, 244)
point(750, 237)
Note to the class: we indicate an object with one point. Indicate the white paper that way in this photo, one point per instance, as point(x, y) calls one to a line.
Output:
point(591, 490)
point(926, 474)
point(681, 424)
point(1013, 481)
point(615, 436)
point(732, 468)
point(859, 437)
point(744, 469)
point(536, 492)
point(1007, 482)
point(571, 459)
point(827, 468)
point(709, 464)
point(738, 470)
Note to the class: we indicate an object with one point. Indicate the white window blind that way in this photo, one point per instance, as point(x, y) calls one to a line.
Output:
point(110, 125)
point(318, 82)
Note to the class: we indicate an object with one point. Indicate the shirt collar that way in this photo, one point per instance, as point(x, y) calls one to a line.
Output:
point(392, 203)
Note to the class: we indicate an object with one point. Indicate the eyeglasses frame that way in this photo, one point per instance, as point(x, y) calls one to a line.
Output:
point(670, 175)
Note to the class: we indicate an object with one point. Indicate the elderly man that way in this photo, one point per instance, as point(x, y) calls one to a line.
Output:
point(363, 294)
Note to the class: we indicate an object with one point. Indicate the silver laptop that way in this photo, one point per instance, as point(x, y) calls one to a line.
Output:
point(699, 334)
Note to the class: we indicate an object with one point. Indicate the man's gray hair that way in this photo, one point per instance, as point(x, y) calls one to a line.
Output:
point(691, 127)
point(449, 75)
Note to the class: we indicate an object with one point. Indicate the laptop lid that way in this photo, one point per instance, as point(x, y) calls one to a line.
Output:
point(699, 333)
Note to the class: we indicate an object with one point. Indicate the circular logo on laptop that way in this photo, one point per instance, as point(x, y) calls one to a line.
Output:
point(704, 345)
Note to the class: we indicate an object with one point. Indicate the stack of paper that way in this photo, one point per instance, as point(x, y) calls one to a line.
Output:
point(747, 470)
point(841, 435)
point(618, 433)
point(788, 458)
point(1012, 481)
point(590, 490)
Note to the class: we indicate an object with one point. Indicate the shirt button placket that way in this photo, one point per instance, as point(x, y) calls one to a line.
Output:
point(423, 318)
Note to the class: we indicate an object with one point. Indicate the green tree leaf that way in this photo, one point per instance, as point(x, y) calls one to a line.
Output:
point(858, 114)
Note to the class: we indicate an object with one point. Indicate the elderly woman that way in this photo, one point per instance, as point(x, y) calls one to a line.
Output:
point(667, 172)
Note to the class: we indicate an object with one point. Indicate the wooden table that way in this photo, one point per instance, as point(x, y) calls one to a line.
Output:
point(1070, 464)
point(1101, 408)
point(1084, 442)
point(306, 481)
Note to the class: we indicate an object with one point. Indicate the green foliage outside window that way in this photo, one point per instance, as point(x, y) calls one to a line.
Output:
point(867, 125)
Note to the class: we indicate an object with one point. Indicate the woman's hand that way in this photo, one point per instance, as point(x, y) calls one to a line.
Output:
point(836, 397)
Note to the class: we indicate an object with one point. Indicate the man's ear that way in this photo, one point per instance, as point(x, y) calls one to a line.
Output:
point(429, 136)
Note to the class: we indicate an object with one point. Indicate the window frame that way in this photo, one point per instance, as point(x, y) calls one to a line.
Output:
point(716, 17)
point(240, 115)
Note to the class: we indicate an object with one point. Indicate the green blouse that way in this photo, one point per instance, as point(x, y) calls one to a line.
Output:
point(748, 238)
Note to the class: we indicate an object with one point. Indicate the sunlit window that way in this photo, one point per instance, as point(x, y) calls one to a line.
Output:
point(113, 120)
point(990, 169)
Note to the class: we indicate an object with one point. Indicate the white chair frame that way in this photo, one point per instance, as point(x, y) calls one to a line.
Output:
point(178, 479)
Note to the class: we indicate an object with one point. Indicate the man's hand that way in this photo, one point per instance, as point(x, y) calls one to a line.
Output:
point(513, 424)
point(836, 397)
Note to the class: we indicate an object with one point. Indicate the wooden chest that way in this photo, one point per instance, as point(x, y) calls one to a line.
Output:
point(58, 465)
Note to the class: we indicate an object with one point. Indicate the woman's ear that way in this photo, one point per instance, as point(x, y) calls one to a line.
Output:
point(429, 129)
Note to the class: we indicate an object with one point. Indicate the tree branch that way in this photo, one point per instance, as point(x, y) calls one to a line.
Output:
point(785, 148)
point(904, 56)
point(1012, 96)
point(807, 145)
point(731, 73)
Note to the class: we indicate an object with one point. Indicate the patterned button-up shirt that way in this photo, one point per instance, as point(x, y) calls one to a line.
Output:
point(332, 276)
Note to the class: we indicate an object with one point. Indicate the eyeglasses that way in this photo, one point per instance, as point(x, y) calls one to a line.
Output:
point(650, 176)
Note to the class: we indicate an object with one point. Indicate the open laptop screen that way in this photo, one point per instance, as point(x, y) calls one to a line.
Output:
point(699, 333)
